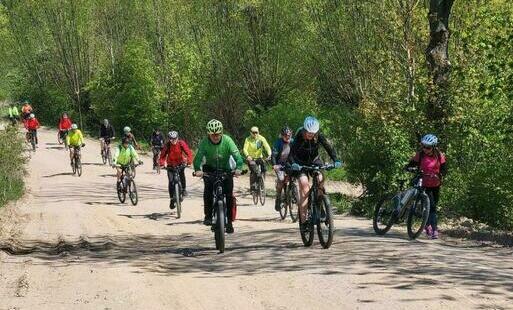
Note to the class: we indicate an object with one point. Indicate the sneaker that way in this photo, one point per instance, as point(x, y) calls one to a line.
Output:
point(172, 205)
point(429, 231)
point(434, 235)
point(229, 228)
point(207, 221)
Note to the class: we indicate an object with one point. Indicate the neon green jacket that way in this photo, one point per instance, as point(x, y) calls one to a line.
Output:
point(255, 147)
point(124, 156)
point(13, 112)
point(75, 138)
point(217, 156)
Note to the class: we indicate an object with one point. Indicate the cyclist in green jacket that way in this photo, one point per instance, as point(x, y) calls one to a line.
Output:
point(124, 155)
point(216, 152)
point(14, 114)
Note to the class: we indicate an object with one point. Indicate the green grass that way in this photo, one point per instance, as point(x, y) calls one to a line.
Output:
point(11, 166)
point(337, 175)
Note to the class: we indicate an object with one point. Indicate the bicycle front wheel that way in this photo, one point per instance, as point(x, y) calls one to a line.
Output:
point(261, 181)
point(325, 226)
point(384, 216)
point(78, 163)
point(307, 235)
point(418, 215)
point(73, 166)
point(284, 206)
point(121, 193)
point(219, 229)
point(178, 201)
point(132, 192)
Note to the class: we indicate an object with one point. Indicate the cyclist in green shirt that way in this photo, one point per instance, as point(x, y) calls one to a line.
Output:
point(14, 114)
point(214, 153)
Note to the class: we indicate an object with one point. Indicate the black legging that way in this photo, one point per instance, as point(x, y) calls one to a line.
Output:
point(208, 196)
point(434, 196)
point(170, 179)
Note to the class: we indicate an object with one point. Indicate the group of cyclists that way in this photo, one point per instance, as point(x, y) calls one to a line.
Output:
point(218, 152)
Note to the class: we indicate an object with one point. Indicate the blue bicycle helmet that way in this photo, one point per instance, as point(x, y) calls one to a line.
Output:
point(429, 140)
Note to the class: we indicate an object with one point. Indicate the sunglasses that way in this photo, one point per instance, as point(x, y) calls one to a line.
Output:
point(255, 132)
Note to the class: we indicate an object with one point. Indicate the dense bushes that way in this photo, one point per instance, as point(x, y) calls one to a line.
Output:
point(11, 166)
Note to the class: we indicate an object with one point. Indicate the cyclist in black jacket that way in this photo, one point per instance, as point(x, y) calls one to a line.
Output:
point(157, 143)
point(305, 151)
point(106, 133)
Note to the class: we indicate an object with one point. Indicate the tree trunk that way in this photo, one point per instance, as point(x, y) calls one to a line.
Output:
point(437, 56)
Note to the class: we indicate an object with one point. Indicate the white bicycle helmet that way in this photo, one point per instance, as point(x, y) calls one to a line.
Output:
point(429, 140)
point(214, 127)
point(172, 135)
point(311, 124)
point(74, 126)
point(127, 129)
point(31, 115)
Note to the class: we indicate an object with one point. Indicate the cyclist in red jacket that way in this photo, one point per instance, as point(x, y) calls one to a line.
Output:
point(175, 153)
point(64, 125)
point(32, 124)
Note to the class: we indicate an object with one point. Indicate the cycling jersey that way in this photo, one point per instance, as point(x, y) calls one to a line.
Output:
point(106, 131)
point(255, 147)
point(217, 156)
point(75, 138)
point(306, 152)
point(175, 154)
point(32, 124)
point(124, 156)
point(157, 139)
point(432, 166)
point(65, 124)
point(281, 151)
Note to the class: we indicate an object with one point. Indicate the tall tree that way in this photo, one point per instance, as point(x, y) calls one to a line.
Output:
point(437, 56)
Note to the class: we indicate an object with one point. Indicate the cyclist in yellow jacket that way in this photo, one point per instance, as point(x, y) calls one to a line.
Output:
point(254, 148)
point(75, 140)
point(125, 154)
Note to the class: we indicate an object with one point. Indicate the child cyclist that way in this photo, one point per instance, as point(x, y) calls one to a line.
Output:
point(431, 161)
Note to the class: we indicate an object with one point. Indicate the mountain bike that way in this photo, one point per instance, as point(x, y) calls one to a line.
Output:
point(258, 191)
point(76, 162)
point(289, 197)
point(105, 152)
point(219, 207)
point(61, 138)
point(127, 186)
point(318, 212)
point(176, 185)
point(412, 204)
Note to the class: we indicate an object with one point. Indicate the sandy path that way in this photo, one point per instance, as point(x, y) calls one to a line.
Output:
point(82, 249)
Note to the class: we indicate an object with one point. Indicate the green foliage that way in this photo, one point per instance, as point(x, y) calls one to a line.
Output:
point(11, 166)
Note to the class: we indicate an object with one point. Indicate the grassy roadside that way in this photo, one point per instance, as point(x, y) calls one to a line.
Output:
point(11, 166)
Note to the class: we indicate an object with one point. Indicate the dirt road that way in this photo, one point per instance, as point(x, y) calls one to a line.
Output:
point(70, 244)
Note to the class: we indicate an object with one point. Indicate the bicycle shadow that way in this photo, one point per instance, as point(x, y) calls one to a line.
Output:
point(57, 174)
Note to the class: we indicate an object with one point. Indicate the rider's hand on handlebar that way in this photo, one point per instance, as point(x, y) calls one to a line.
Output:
point(83, 144)
point(295, 167)
point(198, 173)
point(249, 158)
point(276, 168)
point(140, 162)
point(338, 164)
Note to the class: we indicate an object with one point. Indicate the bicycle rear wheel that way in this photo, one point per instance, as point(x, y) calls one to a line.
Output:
point(33, 142)
point(178, 202)
point(293, 198)
point(384, 217)
point(325, 226)
point(219, 229)
point(121, 193)
point(261, 197)
point(418, 215)
point(132, 192)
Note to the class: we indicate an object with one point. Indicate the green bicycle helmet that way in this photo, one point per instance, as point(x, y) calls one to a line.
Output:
point(214, 127)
